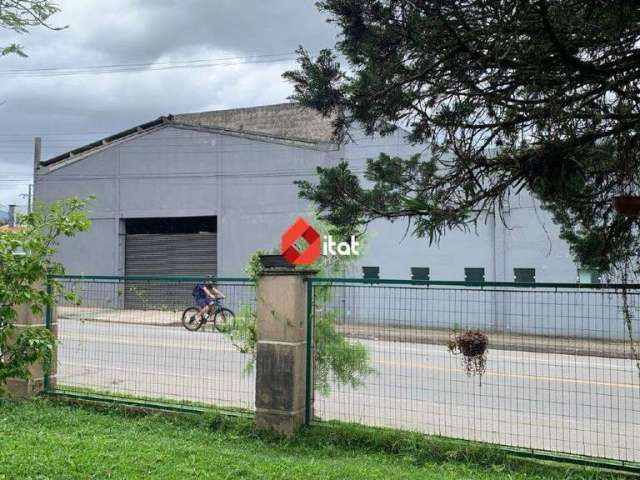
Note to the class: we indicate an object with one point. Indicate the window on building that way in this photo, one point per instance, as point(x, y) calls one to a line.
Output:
point(371, 272)
point(524, 275)
point(420, 273)
point(473, 274)
point(589, 276)
point(173, 225)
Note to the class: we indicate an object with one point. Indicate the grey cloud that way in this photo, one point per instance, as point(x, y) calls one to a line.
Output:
point(125, 31)
point(145, 31)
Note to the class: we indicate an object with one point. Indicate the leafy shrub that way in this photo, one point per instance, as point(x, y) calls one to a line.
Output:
point(25, 265)
point(336, 359)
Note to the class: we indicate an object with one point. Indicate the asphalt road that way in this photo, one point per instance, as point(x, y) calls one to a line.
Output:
point(575, 404)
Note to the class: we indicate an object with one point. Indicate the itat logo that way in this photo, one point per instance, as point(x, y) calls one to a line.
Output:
point(300, 229)
point(328, 246)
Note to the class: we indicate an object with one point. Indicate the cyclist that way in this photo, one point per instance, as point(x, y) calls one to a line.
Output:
point(206, 296)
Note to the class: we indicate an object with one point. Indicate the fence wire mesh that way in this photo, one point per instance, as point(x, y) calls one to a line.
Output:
point(125, 339)
point(559, 372)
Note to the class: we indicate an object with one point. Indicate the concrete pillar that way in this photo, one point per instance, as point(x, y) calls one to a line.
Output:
point(12, 216)
point(502, 297)
point(18, 388)
point(281, 352)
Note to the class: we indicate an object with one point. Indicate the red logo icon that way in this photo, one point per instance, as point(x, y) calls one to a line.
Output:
point(300, 229)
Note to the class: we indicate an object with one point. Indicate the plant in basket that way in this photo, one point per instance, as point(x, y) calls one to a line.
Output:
point(472, 345)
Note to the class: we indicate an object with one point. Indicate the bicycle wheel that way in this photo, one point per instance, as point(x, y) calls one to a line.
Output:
point(224, 320)
point(192, 320)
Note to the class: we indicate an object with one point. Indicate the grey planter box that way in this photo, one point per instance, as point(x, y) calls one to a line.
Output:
point(271, 262)
point(420, 273)
point(371, 272)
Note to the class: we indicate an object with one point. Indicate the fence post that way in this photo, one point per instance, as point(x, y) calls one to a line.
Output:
point(308, 394)
point(18, 388)
point(51, 322)
point(281, 353)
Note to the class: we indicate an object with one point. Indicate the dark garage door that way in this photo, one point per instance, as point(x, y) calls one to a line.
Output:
point(167, 253)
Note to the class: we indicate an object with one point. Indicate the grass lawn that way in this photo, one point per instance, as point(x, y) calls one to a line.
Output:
point(47, 440)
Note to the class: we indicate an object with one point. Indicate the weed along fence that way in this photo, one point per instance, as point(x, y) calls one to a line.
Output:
point(549, 367)
point(126, 339)
point(544, 367)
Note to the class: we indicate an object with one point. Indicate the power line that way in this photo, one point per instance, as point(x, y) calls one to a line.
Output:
point(148, 64)
point(147, 67)
point(52, 134)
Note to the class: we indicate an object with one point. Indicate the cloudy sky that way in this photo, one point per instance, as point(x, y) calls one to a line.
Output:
point(206, 55)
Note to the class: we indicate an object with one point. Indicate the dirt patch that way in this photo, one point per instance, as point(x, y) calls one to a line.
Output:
point(500, 340)
point(158, 318)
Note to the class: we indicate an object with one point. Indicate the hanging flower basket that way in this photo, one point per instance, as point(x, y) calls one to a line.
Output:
point(472, 344)
point(627, 205)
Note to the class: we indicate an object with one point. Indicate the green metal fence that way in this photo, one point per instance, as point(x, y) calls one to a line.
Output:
point(559, 374)
point(125, 340)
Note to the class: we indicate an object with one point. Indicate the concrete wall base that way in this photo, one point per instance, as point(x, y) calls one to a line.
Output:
point(281, 352)
point(287, 423)
point(21, 389)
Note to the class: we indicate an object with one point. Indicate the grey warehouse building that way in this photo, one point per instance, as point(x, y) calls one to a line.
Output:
point(198, 193)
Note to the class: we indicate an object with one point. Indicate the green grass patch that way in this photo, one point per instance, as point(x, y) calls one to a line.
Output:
point(45, 439)
point(98, 395)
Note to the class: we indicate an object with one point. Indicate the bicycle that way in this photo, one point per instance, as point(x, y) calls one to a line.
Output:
point(223, 318)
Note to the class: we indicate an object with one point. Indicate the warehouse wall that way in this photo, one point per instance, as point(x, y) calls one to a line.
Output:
point(175, 172)
point(248, 185)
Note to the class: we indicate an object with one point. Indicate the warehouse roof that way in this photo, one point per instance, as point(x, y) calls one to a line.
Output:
point(284, 121)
